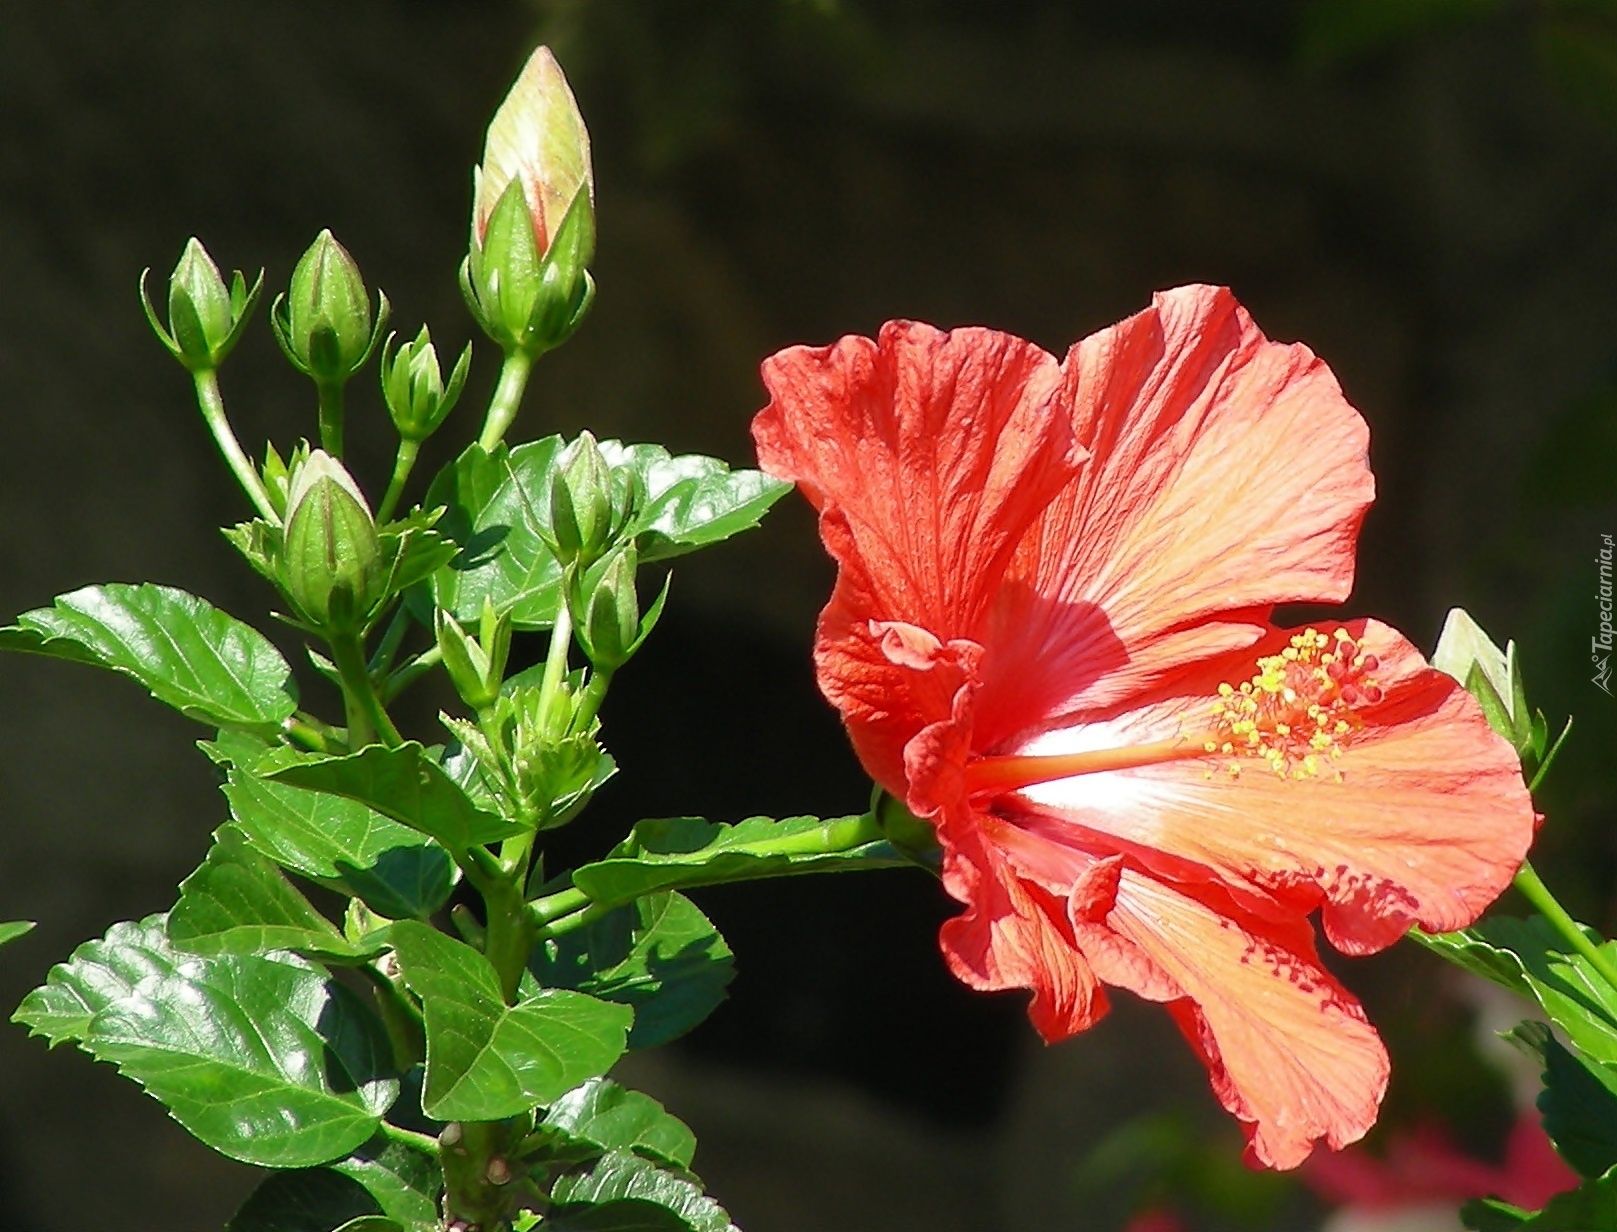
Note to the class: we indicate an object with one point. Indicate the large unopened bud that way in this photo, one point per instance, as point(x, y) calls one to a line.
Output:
point(205, 319)
point(332, 561)
point(533, 215)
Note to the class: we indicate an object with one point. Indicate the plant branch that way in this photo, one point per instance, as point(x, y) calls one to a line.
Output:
point(331, 417)
point(367, 720)
point(1536, 892)
point(212, 404)
point(403, 464)
point(507, 399)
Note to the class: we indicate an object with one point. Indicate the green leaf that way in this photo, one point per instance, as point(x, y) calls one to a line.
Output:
point(1492, 1215)
point(1578, 1102)
point(404, 1181)
point(610, 1117)
point(622, 1215)
point(388, 1184)
point(619, 1175)
point(237, 902)
point(498, 508)
point(487, 1060)
point(1591, 1207)
point(687, 851)
point(97, 974)
point(659, 955)
point(406, 785)
point(1468, 950)
point(1571, 992)
point(13, 929)
point(190, 655)
point(305, 1200)
point(499, 514)
point(266, 1060)
point(342, 844)
point(691, 501)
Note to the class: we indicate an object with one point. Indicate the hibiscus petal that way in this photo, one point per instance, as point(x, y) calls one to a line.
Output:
point(1013, 934)
point(937, 450)
point(1427, 825)
point(928, 454)
point(1226, 474)
point(1288, 1049)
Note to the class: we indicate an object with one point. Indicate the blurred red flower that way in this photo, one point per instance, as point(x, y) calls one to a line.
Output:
point(1051, 636)
point(1424, 1167)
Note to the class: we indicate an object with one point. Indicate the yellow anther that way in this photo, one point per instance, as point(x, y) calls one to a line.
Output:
point(1298, 708)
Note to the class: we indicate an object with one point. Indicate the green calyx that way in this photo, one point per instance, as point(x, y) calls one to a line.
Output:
point(205, 318)
point(527, 299)
point(323, 321)
point(417, 396)
point(332, 567)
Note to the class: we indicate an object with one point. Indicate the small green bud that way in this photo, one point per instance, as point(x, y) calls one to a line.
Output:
point(413, 386)
point(467, 664)
point(533, 216)
point(581, 504)
point(1491, 675)
point(323, 321)
point(609, 626)
point(205, 320)
point(332, 568)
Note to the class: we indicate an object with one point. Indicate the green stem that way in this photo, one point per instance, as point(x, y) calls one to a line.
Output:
point(594, 694)
point(212, 404)
point(403, 464)
point(561, 641)
point(331, 416)
point(1536, 892)
point(308, 731)
point(507, 399)
point(510, 935)
point(366, 718)
point(408, 1137)
point(388, 648)
point(412, 671)
point(567, 909)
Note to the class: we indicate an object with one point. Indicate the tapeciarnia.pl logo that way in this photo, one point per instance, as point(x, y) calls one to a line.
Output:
point(1600, 645)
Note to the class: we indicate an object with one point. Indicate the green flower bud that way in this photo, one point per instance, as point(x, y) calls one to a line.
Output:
point(533, 216)
point(468, 666)
point(205, 320)
point(608, 628)
point(1491, 675)
point(323, 321)
point(581, 520)
point(332, 563)
point(413, 385)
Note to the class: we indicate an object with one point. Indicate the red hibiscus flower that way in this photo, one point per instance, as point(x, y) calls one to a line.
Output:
point(1051, 636)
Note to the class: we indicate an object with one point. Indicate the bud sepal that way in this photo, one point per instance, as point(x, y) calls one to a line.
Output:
point(323, 320)
point(205, 320)
point(417, 396)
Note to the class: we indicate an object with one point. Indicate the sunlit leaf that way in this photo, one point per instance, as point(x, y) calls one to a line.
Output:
point(190, 655)
point(610, 1117)
point(675, 852)
point(238, 902)
point(265, 1059)
point(405, 784)
point(343, 844)
point(487, 1060)
point(620, 1175)
point(659, 955)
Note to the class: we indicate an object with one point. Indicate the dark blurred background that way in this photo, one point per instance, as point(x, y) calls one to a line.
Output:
point(1425, 191)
